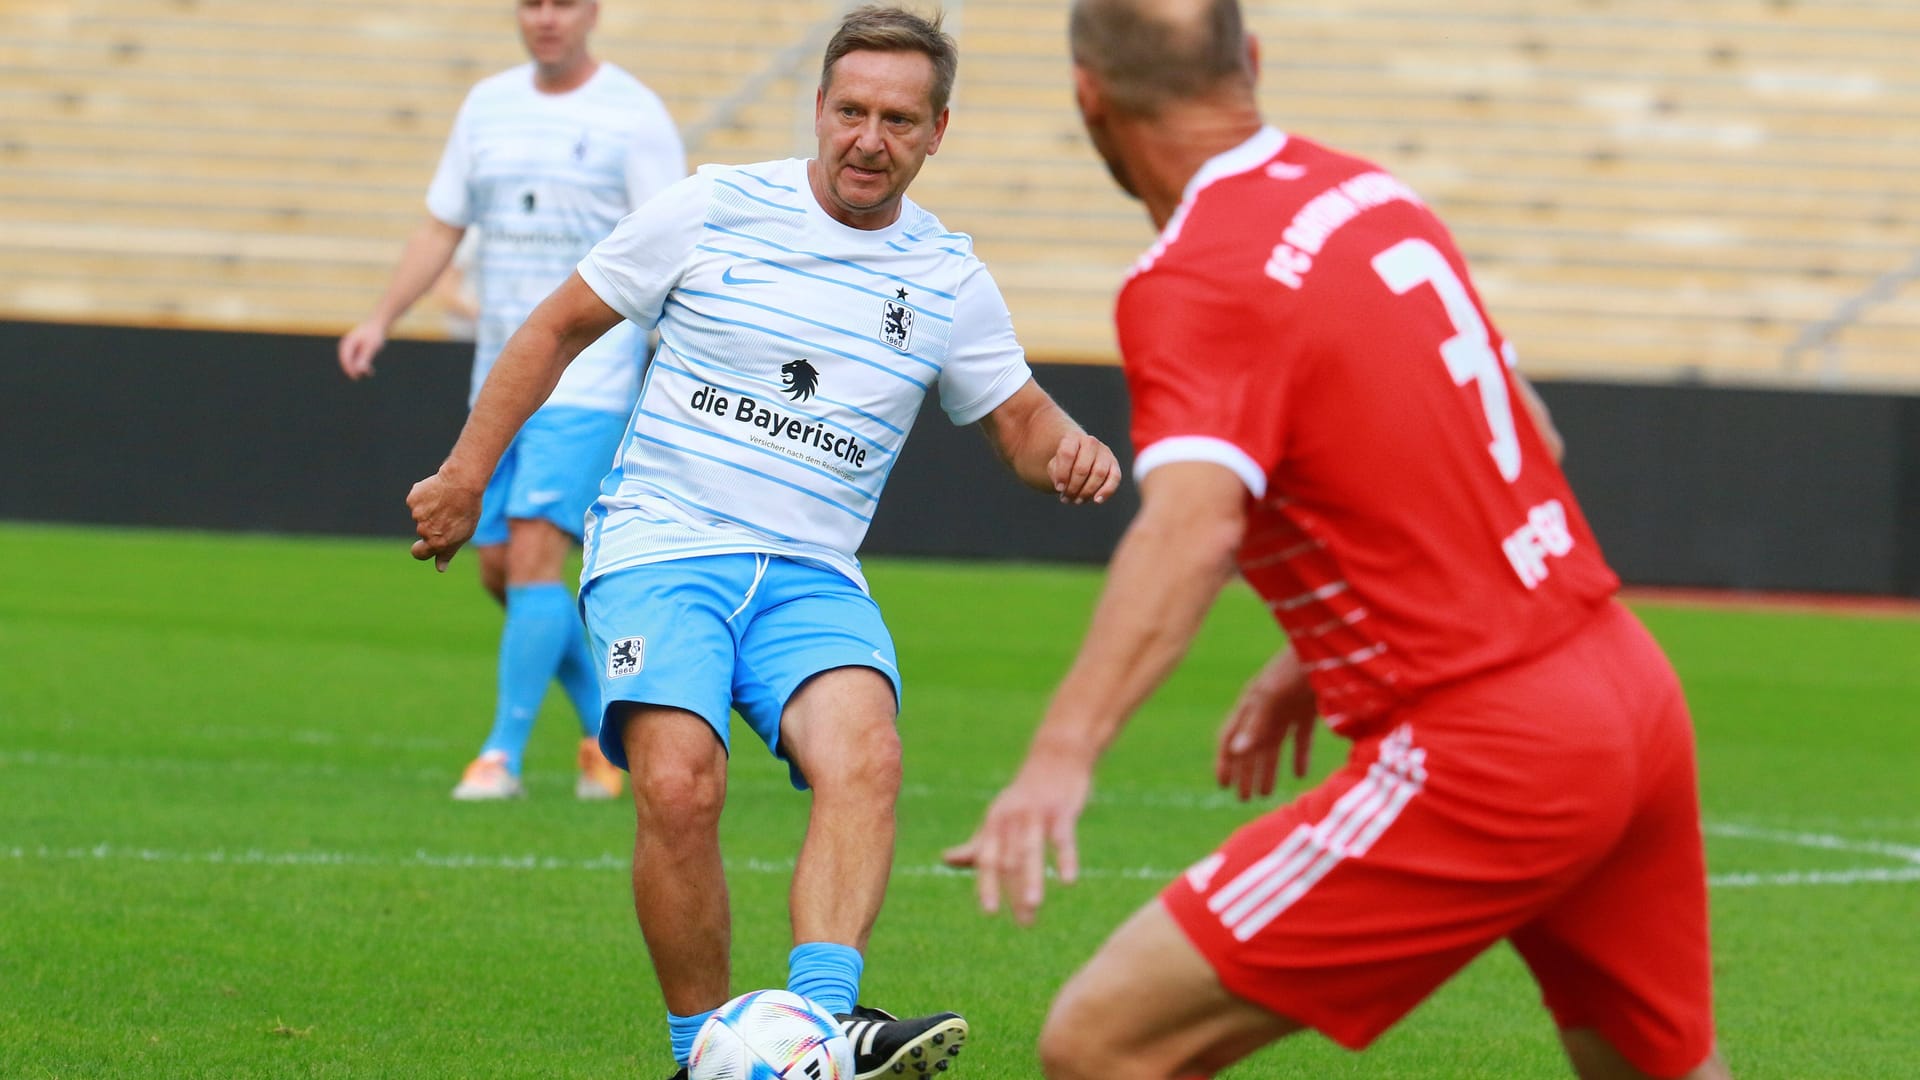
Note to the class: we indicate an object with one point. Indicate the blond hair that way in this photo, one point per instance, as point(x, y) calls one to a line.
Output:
point(879, 28)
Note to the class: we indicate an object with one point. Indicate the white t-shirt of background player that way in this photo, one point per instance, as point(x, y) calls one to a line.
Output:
point(794, 354)
point(544, 177)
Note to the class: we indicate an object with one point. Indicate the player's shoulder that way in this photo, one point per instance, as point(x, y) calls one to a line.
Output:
point(515, 82)
point(1271, 183)
point(616, 81)
point(920, 228)
point(780, 181)
point(747, 195)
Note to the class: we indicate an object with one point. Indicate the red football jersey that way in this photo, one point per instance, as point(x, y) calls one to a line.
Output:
point(1306, 321)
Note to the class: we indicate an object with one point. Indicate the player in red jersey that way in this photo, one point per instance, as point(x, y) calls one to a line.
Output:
point(1321, 400)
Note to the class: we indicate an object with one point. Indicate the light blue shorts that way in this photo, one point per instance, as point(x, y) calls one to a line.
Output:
point(551, 471)
point(717, 632)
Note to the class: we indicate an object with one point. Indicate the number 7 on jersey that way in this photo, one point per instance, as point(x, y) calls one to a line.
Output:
point(1469, 352)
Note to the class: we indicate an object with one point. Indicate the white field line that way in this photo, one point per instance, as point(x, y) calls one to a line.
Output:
point(1817, 841)
point(439, 776)
point(619, 863)
point(1196, 798)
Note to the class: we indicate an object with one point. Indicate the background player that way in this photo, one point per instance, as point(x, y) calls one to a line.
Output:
point(544, 159)
point(805, 308)
point(1318, 395)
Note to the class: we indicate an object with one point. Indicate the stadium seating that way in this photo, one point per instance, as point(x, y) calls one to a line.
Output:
point(1645, 190)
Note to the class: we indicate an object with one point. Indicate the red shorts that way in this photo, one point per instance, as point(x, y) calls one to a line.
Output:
point(1553, 804)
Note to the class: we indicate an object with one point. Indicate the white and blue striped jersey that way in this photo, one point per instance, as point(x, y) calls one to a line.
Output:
point(544, 177)
point(794, 354)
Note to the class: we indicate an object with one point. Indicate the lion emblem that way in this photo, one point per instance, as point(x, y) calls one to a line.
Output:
point(799, 378)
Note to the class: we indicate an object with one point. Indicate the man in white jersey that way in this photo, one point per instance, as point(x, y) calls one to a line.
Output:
point(804, 309)
point(544, 159)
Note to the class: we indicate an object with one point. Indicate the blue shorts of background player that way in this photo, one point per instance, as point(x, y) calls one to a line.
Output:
point(551, 471)
point(711, 634)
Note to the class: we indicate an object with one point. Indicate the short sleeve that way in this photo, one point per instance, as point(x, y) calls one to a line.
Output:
point(449, 198)
point(1207, 374)
point(640, 262)
point(656, 158)
point(985, 363)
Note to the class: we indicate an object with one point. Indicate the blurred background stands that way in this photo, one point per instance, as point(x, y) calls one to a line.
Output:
point(1717, 191)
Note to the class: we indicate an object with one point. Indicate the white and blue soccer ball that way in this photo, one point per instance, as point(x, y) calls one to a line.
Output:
point(771, 1035)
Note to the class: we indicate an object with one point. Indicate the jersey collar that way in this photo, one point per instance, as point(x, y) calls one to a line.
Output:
point(1249, 155)
point(1255, 152)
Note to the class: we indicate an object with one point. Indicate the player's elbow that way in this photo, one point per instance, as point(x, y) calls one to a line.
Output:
point(1216, 544)
point(1209, 544)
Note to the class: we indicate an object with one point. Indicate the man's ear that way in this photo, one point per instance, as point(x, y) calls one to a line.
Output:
point(939, 131)
point(1253, 57)
point(1088, 95)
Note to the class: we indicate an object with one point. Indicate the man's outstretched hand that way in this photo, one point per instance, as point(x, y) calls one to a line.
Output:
point(1008, 852)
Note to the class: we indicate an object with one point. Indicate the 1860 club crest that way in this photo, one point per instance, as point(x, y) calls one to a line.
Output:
point(896, 323)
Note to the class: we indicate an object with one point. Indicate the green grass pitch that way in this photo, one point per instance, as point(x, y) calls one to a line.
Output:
point(226, 847)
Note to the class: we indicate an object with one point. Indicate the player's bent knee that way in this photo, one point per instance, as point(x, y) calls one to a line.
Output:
point(679, 772)
point(1079, 1039)
point(1073, 1052)
point(870, 766)
point(493, 571)
point(678, 797)
point(536, 551)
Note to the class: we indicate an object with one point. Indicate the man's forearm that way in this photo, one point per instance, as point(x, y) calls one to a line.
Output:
point(523, 376)
point(428, 251)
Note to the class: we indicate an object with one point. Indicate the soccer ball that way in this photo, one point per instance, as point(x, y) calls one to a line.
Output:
point(771, 1035)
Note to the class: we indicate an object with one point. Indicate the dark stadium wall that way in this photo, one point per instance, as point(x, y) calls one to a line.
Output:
point(1685, 485)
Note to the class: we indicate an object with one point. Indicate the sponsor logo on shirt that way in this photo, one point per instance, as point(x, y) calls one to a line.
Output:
point(791, 435)
point(1529, 546)
point(527, 202)
point(533, 240)
point(727, 276)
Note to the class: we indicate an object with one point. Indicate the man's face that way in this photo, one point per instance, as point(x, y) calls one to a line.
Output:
point(555, 31)
point(876, 126)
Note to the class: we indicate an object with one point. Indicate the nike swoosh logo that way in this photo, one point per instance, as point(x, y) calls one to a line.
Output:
point(727, 276)
point(884, 660)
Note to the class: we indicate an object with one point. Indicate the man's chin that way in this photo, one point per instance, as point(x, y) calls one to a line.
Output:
point(865, 200)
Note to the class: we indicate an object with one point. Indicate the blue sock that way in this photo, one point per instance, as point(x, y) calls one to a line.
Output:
point(540, 621)
point(682, 1029)
point(580, 678)
point(826, 974)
